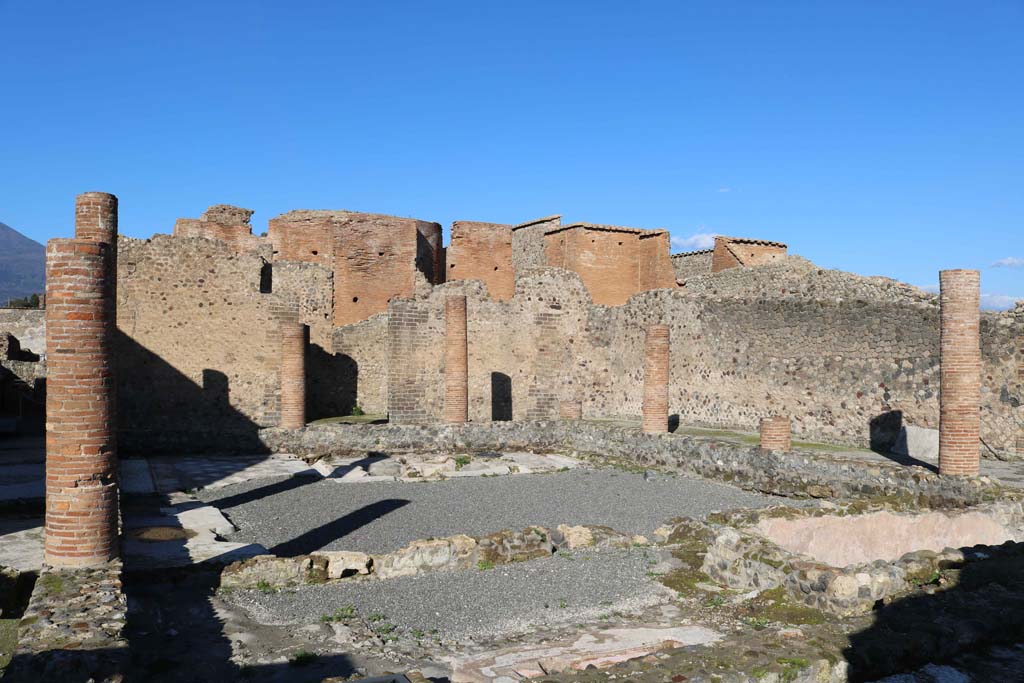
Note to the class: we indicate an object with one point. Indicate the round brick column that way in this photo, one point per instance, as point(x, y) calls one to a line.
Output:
point(960, 369)
point(96, 221)
point(776, 434)
point(655, 406)
point(456, 363)
point(570, 410)
point(293, 375)
point(81, 458)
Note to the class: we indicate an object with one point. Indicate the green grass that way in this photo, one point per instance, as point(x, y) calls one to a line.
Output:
point(484, 565)
point(302, 658)
point(264, 587)
point(341, 614)
point(462, 461)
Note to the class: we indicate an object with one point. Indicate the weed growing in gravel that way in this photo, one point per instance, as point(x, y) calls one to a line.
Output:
point(563, 603)
point(417, 634)
point(484, 565)
point(757, 623)
point(462, 461)
point(715, 601)
point(264, 587)
point(341, 614)
point(375, 617)
point(302, 658)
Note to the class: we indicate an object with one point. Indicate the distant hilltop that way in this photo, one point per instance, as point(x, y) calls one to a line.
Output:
point(22, 265)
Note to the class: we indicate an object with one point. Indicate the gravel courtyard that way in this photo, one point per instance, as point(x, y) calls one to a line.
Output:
point(297, 515)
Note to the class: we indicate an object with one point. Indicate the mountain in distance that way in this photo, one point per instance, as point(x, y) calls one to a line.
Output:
point(22, 265)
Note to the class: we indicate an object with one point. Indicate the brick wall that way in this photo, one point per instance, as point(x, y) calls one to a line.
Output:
point(303, 235)
point(228, 224)
point(378, 258)
point(482, 251)
point(733, 252)
point(775, 433)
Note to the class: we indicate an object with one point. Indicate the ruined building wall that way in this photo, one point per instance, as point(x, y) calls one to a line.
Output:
point(361, 356)
point(228, 224)
point(27, 325)
point(378, 258)
point(692, 264)
point(482, 251)
point(833, 365)
point(198, 344)
point(519, 351)
point(303, 235)
point(310, 287)
point(528, 243)
point(655, 266)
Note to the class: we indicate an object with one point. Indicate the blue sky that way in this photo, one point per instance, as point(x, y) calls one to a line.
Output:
point(877, 137)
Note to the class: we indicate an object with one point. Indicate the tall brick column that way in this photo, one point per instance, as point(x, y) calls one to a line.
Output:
point(456, 363)
point(655, 407)
point(776, 434)
point(293, 374)
point(960, 369)
point(81, 454)
point(96, 221)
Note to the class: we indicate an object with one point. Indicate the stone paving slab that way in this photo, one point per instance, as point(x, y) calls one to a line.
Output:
point(213, 472)
point(21, 543)
point(420, 466)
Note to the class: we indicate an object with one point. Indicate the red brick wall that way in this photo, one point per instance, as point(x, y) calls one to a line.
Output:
point(303, 236)
point(656, 271)
point(378, 258)
point(732, 253)
point(228, 224)
point(81, 454)
point(482, 251)
point(722, 258)
point(960, 372)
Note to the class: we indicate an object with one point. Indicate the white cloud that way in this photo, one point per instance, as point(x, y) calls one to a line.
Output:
point(1009, 262)
point(725, 189)
point(989, 301)
point(701, 240)
point(998, 302)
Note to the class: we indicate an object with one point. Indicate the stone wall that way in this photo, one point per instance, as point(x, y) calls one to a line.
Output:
point(198, 344)
point(27, 325)
point(222, 222)
point(834, 365)
point(692, 264)
point(528, 243)
point(361, 352)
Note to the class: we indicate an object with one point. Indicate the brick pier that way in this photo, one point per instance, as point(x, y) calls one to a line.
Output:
point(960, 360)
point(776, 433)
point(293, 375)
point(570, 409)
point(81, 452)
point(655, 406)
point(456, 368)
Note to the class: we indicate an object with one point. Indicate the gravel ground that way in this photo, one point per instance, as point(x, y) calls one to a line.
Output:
point(293, 516)
point(567, 588)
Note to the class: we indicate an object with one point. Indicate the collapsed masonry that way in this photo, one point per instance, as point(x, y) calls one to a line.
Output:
point(555, 322)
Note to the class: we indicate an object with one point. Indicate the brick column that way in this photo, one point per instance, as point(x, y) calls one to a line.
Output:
point(655, 406)
point(81, 454)
point(960, 368)
point(776, 434)
point(96, 221)
point(456, 368)
point(293, 374)
point(570, 409)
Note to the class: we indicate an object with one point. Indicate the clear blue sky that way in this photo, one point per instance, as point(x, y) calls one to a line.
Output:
point(877, 137)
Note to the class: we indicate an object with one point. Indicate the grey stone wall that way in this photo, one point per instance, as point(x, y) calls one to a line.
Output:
point(692, 264)
point(28, 325)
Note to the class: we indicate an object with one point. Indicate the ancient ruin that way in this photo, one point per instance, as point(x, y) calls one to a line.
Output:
point(542, 452)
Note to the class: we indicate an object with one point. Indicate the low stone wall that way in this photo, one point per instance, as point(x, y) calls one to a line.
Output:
point(794, 474)
point(741, 558)
point(72, 628)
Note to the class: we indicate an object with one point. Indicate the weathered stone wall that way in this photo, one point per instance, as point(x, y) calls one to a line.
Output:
point(361, 360)
point(692, 264)
point(833, 365)
point(310, 287)
point(198, 344)
point(27, 325)
point(528, 243)
point(482, 251)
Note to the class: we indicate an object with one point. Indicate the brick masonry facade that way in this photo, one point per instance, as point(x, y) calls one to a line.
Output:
point(960, 367)
point(656, 379)
point(81, 451)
